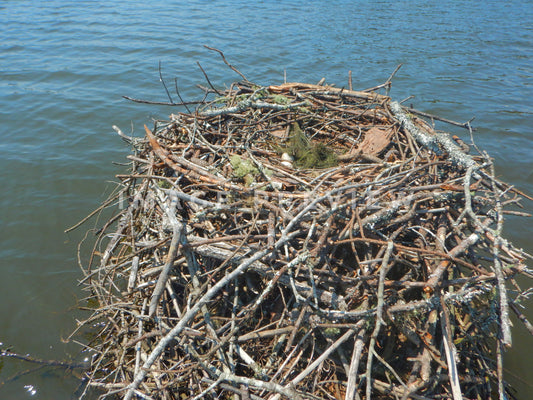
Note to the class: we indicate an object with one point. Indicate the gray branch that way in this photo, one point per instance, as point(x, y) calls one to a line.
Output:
point(434, 142)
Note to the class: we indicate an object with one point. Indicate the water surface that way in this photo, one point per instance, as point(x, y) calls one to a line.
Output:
point(64, 66)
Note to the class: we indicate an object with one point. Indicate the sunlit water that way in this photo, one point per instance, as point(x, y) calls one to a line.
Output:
point(65, 65)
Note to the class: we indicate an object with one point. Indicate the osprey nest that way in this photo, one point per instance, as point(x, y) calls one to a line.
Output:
point(303, 241)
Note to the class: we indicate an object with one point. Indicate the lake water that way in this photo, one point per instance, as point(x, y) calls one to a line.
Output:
point(64, 66)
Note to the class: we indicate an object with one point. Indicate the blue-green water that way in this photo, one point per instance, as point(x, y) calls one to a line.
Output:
point(65, 65)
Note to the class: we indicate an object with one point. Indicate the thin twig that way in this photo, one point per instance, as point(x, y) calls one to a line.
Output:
point(226, 62)
point(451, 351)
point(164, 84)
point(207, 79)
point(179, 96)
point(163, 103)
point(379, 316)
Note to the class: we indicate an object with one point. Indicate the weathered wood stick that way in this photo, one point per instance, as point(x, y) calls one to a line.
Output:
point(177, 231)
point(435, 142)
point(286, 87)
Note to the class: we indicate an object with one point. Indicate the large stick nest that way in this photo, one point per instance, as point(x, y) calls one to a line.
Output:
point(303, 241)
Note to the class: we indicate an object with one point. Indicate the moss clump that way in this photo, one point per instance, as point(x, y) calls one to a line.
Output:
point(243, 169)
point(306, 154)
point(331, 332)
point(318, 156)
point(164, 184)
point(280, 99)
